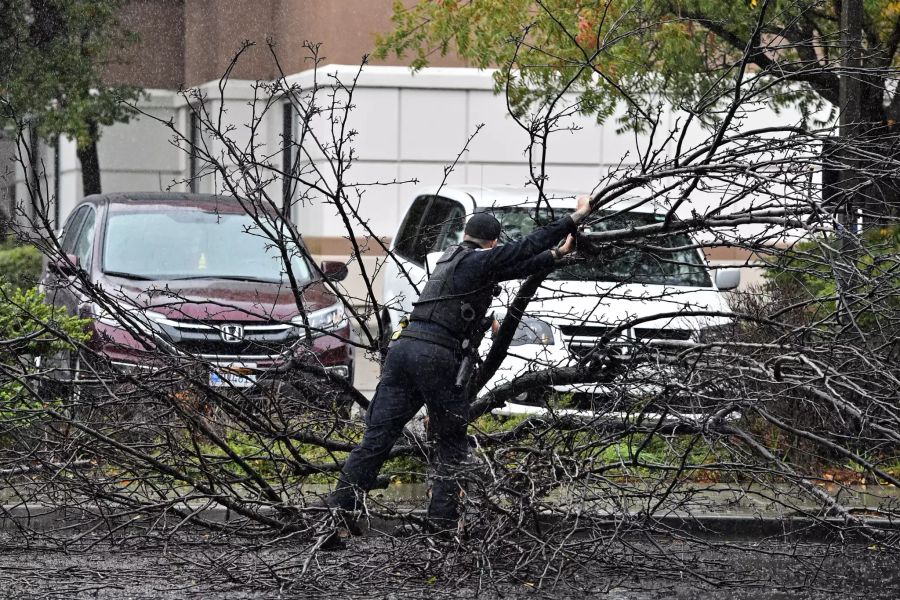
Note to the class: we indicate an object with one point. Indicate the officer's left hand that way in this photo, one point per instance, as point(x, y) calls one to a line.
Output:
point(568, 247)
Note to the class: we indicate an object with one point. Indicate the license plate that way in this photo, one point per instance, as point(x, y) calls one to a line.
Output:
point(235, 375)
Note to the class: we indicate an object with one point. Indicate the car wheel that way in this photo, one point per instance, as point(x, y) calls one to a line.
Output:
point(535, 397)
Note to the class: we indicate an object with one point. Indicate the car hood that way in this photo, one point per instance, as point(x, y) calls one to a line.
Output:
point(612, 303)
point(218, 299)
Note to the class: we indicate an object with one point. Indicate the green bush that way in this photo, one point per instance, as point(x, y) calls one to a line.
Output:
point(20, 266)
point(29, 327)
point(808, 270)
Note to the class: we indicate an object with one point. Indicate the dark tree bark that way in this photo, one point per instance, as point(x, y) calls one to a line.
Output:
point(47, 24)
point(90, 164)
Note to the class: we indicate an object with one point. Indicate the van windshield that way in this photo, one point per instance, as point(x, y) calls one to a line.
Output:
point(180, 243)
point(671, 261)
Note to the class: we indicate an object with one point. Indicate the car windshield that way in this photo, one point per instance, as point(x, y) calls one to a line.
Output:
point(670, 261)
point(188, 243)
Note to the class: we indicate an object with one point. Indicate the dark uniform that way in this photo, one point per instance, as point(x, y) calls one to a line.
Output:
point(421, 366)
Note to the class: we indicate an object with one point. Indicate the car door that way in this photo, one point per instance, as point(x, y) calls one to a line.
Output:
point(77, 241)
point(62, 290)
point(52, 281)
point(431, 224)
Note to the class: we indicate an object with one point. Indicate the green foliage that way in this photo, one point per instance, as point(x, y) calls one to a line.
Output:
point(685, 51)
point(24, 313)
point(274, 460)
point(29, 327)
point(53, 55)
point(810, 267)
point(20, 266)
point(405, 469)
point(489, 423)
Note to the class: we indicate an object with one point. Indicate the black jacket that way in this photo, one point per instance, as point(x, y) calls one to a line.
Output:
point(460, 290)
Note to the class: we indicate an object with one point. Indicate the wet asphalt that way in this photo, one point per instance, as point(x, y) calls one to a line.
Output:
point(201, 567)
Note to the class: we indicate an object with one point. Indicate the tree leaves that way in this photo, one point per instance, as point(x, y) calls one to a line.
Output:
point(682, 50)
point(52, 74)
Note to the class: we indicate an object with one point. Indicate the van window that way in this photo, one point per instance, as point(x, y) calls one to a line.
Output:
point(441, 227)
point(431, 225)
point(670, 259)
point(452, 232)
point(405, 243)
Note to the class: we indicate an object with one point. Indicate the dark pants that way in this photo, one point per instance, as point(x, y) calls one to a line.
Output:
point(415, 373)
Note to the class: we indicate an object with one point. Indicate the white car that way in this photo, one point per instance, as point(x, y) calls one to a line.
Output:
point(646, 288)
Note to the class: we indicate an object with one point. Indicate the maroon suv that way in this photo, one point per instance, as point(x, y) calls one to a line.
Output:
point(195, 274)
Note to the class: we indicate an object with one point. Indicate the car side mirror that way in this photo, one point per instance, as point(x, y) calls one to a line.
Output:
point(334, 270)
point(67, 265)
point(728, 279)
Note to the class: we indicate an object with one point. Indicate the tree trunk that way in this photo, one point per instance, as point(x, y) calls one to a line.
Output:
point(90, 166)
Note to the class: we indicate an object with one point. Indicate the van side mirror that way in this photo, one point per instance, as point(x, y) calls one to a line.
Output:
point(67, 265)
point(728, 279)
point(334, 270)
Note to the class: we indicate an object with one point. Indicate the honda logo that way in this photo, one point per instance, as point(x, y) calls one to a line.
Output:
point(232, 333)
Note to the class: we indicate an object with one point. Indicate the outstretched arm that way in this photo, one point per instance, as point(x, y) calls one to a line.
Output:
point(532, 253)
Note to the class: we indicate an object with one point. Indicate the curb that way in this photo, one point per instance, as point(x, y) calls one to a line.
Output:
point(38, 517)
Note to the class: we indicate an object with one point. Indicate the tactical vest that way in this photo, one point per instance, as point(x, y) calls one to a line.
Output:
point(458, 311)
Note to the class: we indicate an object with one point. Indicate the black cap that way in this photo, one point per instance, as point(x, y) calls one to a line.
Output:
point(483, 226)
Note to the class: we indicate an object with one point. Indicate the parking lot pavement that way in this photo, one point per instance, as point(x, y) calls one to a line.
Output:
point(365, 377)
point(366, 369)
point(200, 567)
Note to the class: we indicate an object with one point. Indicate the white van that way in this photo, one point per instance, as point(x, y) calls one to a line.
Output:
point(578, 304)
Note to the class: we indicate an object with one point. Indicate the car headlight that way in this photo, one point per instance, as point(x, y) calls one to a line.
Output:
point(532, 331)
point(127, 317)
point(324, 320)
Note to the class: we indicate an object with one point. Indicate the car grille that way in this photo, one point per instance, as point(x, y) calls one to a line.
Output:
point(222, 340)
point(662, 334)
point(596, 331)
point(581, 339)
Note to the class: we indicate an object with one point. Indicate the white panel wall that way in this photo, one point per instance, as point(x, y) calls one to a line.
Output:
point(413, 127)
point(376, 119)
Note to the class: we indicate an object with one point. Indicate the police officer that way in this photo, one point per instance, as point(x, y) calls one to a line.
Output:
point(422, 364)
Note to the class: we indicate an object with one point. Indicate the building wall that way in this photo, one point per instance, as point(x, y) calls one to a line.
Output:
point(345, 30)
point(134, 156)
point(190, 42)
point(412, 127)
point(157, 58)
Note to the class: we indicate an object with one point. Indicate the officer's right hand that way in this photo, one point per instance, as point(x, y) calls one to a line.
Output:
point(583, 208)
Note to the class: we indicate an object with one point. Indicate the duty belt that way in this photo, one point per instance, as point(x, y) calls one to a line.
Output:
point(435, 338)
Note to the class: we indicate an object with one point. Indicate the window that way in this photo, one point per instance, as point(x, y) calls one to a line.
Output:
point(667, 259)
point(405, 243)
point(195, 244)
point(57, 187)
point(287, 155)
point(452, 233)
point(431, 225)
point(85, 240)
point(10, 198)
point(70, 231)
point(443, 224)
